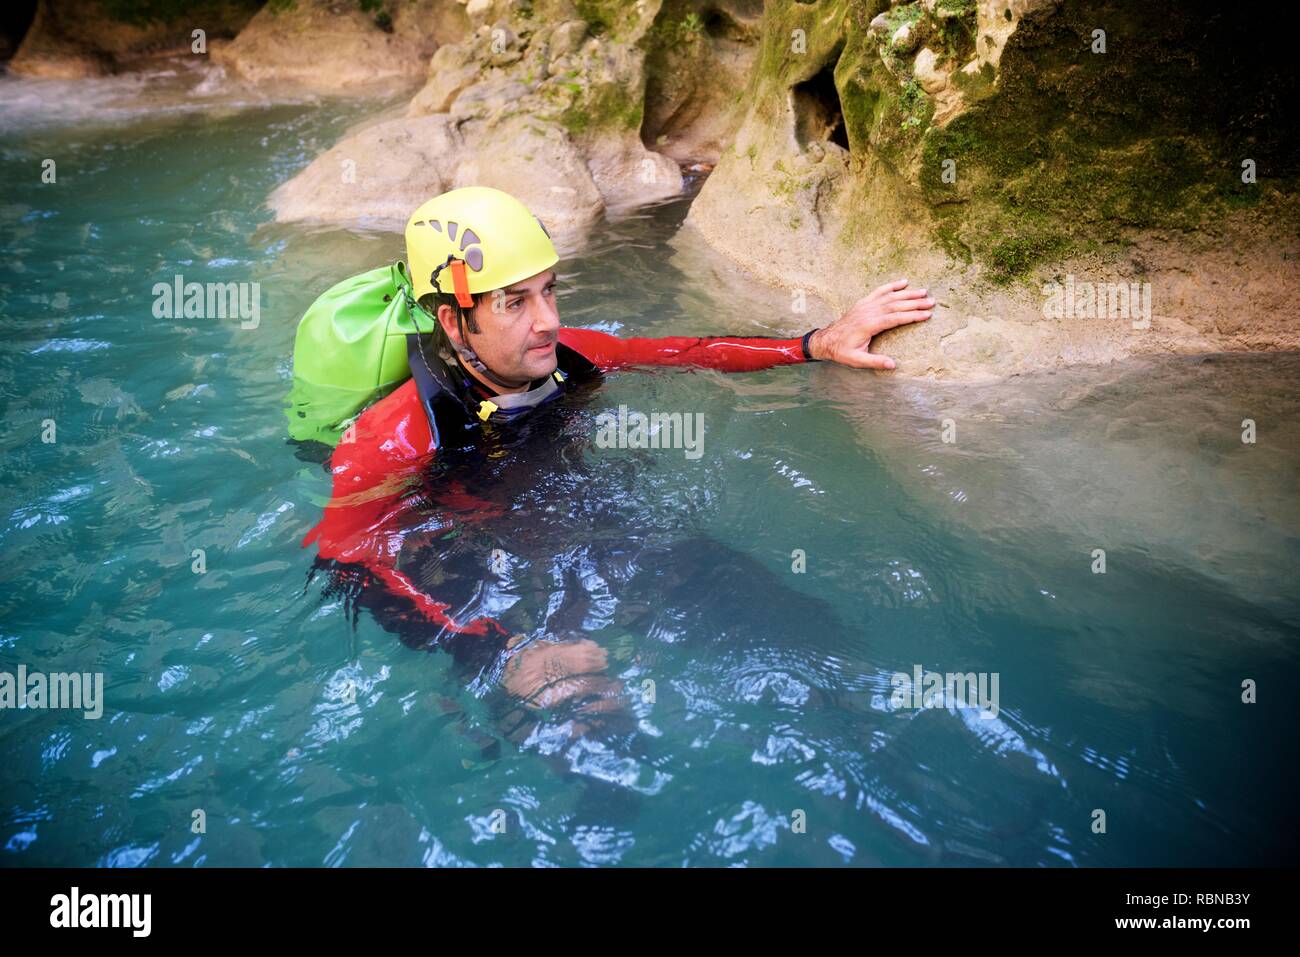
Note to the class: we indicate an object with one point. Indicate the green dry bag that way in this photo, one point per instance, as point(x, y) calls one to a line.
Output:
point(350, 350)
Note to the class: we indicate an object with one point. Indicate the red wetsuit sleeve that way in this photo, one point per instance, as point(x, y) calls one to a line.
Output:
point(370, 509)
point(726, 353)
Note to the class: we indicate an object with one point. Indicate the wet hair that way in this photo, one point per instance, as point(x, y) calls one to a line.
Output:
point(430, 302)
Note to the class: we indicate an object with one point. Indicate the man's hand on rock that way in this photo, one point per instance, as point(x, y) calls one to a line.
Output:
point(847, 340)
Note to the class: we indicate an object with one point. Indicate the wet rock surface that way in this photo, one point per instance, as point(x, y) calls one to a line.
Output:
point(997, 152)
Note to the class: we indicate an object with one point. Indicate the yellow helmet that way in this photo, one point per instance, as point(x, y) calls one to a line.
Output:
point(491, 237)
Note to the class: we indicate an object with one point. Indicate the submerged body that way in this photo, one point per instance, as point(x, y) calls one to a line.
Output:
point(462, 444)
point(430, 518)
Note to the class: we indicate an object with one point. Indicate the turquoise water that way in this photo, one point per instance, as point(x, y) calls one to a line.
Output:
point(248, 693)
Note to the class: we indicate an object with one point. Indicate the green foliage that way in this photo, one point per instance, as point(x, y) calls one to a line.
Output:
point(906, 13)
point(671, 34)
point(382, 19)
point(1014, 257)
point(949, 237)
point(954, 38)
point(600, 16)
point(1235, 194)
point(602, 107)
point(909, 103)
point(962, 8)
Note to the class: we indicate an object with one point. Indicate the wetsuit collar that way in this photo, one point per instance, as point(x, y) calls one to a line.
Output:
point(511, 403)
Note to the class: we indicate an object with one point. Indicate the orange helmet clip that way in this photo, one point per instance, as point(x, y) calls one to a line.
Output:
point(460, 283)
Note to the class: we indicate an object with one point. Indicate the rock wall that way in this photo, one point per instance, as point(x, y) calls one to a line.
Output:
point(337, 46)
point(69, 39)
point(997, 151)
point(697, 68)
point(546, 100)
point(1066, 175)
point(1076, 180)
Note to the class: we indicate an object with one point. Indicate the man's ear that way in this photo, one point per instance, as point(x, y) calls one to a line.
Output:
point(447, 319)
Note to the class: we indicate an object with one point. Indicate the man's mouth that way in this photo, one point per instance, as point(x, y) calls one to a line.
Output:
point(543, 346)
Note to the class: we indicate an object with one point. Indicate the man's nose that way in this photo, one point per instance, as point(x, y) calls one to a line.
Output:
point(547, 318)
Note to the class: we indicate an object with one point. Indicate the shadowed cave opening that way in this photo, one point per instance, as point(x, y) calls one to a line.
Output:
point(15, 19)
point(817, 110)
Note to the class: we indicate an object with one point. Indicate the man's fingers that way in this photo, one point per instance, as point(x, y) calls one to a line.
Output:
point(909, 305)
point(870, 360)
point(906, 295)
point(896, 319)
point(886, 288)
point(862, 359)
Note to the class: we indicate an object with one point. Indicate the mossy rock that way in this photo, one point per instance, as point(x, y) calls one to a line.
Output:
point(1084, 145)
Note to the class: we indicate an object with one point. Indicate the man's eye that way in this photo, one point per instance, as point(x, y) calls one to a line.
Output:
point(514, 303)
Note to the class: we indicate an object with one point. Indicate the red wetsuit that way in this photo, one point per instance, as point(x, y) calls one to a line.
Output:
point(367, 516)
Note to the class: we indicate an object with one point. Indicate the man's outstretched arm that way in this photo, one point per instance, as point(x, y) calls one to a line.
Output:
point(728, 353)
point(847, 340)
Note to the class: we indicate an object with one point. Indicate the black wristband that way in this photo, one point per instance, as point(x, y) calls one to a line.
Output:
point(807, 353)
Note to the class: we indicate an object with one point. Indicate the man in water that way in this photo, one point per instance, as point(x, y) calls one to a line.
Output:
point(483, 278)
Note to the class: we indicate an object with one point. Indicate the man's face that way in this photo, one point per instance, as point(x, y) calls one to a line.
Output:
point(518, 327)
